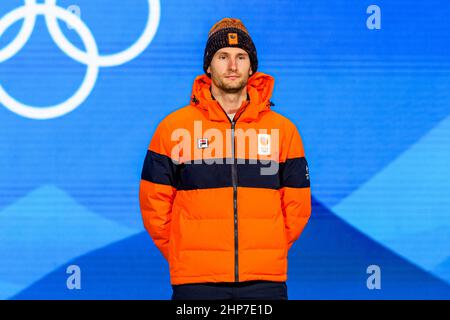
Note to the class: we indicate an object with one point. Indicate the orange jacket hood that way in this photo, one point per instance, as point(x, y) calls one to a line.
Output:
point(259, 89)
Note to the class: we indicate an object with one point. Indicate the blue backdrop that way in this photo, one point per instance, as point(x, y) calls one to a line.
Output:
point(369, 91)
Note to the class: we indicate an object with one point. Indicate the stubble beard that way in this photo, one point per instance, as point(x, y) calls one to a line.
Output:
point(232, 87)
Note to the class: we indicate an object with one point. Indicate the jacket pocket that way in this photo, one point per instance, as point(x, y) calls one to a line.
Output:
point(285, 231)
point(174, 226)
point(286, 238)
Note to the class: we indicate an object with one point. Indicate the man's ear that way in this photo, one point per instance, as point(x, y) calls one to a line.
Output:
point(208, 70)
point(251, 72)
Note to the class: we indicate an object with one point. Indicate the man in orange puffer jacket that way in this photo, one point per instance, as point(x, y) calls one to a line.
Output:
point(225, 188)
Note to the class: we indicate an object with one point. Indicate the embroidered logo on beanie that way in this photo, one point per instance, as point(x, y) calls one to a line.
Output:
point(232, 38)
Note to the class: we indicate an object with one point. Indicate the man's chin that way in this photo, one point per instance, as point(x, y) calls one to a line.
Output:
point(233, 88)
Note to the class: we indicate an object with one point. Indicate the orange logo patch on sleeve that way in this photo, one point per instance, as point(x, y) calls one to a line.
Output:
point(232, 38)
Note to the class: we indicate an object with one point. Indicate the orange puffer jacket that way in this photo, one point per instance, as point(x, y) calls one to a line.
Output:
point(225, 200)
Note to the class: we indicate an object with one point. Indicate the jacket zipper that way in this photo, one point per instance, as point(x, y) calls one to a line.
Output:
point(234, 182)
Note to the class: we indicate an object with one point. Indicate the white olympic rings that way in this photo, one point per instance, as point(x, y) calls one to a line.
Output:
point(90, 58)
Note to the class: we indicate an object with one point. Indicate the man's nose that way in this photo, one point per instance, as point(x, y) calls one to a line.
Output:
point(232, 64)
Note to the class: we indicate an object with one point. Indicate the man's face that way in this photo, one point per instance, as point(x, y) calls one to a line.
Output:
point(230, 69)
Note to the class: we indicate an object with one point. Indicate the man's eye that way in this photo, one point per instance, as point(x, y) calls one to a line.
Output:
point(221, 57)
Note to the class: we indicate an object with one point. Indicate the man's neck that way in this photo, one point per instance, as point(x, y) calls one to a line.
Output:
point(230, 102)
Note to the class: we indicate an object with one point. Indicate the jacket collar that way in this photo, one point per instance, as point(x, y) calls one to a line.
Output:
point(259, 92)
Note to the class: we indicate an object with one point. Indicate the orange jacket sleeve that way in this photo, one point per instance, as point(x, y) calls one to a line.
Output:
point(158, 188)
point(295, 188)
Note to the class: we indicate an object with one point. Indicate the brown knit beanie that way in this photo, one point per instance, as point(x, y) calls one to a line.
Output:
point(229, 32)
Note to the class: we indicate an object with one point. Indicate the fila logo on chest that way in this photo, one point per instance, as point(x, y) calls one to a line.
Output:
point(202, 143)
